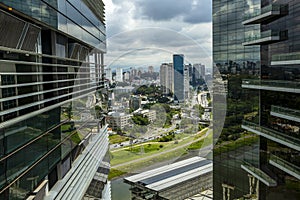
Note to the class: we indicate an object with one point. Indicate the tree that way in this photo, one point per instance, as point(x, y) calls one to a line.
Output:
point(140, 119)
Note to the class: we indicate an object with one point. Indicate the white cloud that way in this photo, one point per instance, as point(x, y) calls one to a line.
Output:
point(136, 40)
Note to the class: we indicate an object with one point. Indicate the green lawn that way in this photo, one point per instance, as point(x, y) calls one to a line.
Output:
point(115, 139)
point(132, 153)
point(147, 148)
point(115, 173)
point(201, 134)
point(150, 161)
point(196, 145)
point(124, 155)
point(127, 154)
point(201, 143)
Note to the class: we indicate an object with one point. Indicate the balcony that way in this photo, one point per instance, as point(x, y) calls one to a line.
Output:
point(259, 174)
point(285, 113)
point(265, 15)
point(286, 59)
point(272, 85)
point(266, 37)
point(76, 181)
point(273, 135)
point(285, 166)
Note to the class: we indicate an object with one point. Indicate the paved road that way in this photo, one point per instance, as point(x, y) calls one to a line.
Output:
point(160, 153)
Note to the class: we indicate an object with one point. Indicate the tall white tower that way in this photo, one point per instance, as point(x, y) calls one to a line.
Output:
point(119, 75)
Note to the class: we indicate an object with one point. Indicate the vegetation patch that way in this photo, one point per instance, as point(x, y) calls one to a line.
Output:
point(146, 148)
point(115, 139)
point(140, 119)
point(196, 145)
point(153, 160)
point(203, 142)
point(201, 134)
point(232, 145)
point(113, 173)
point(167, 138)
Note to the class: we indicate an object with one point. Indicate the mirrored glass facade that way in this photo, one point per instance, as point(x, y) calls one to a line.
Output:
point(73, 17)
point(270, 29)
point(233, 62)
point(51, 77)
point(178, 64)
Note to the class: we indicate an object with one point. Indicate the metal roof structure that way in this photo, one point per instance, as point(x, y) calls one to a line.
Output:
point(170, 175)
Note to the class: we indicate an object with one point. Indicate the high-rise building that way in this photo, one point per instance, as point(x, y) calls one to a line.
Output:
point(126, 76)
point(178, 64)
point(278, 127)
point(108, 74)
point(166, 76)
point(191, 73)
point(271, 166)
point(232, 62)
point(186, 80)
point(150, 69)
point(119, 75)
point(133, 73)
point(51, 67)
point(199, 71)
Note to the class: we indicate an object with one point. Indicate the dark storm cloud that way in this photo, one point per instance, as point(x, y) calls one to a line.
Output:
point(192, 11)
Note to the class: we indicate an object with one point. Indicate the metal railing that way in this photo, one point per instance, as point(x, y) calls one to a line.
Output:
point(248, 167)
point(270, 132)
point(289, 166)
point(272, 83)
point(257, 12)
point(285, 111)
point(262, 35)
point(286, 56)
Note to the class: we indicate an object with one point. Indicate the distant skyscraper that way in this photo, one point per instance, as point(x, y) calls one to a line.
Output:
point(119, 75)
point(199, 71)
point(191, 73)
point(166, 75)
point(186, 81)
point(150, 69)
point(178, 60)
point(139, 73)
point(133, 73)
point(108, 74)
point(126, 76)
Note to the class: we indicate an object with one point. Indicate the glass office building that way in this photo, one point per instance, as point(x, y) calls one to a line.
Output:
point(279, 89)
point(178, 64)
point(51, 70)
point(270, 30)
point(233, 62)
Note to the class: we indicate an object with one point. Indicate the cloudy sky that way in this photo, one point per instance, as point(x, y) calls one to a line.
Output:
point(141, 33)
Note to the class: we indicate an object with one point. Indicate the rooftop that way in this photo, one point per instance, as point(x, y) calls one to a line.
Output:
point(173, 174)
